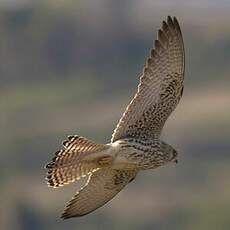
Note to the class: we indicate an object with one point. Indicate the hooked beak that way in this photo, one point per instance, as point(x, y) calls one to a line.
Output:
point(175, 161)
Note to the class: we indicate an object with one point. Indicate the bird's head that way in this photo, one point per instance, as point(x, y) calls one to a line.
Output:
point(174, 156)
point(170, 153)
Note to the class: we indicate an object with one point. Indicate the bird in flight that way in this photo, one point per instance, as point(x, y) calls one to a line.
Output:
point(135, 143)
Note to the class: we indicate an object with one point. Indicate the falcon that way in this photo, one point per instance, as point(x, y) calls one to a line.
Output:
point(135, 143)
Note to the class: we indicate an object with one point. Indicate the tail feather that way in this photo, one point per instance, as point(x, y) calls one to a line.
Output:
point(77, 159)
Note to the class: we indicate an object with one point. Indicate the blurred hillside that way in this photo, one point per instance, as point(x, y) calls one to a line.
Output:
point(71, 67)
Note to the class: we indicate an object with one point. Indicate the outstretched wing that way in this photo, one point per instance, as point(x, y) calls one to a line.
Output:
point(160, 87)
point(100, 188)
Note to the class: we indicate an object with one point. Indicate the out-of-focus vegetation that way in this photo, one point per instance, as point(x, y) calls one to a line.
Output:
point(71, 67)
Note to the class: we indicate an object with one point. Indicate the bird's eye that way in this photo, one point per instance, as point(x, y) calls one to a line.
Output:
point(174, 153)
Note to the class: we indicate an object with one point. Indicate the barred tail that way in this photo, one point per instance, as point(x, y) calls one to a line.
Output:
point(78, 158)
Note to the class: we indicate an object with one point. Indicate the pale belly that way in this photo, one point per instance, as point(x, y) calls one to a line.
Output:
point(137, 154)
point(130, 159)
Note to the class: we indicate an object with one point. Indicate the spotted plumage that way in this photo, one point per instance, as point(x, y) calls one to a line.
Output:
point(135, 143)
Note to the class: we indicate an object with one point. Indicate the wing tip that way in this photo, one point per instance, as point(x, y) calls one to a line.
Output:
point(171, 22)
point(168, 26)
point(67, 215)
point(177, 25)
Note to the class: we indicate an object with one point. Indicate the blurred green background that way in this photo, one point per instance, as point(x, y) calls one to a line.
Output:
point(71, 67)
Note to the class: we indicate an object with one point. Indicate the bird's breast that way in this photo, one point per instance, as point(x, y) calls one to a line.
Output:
point(136, 154)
